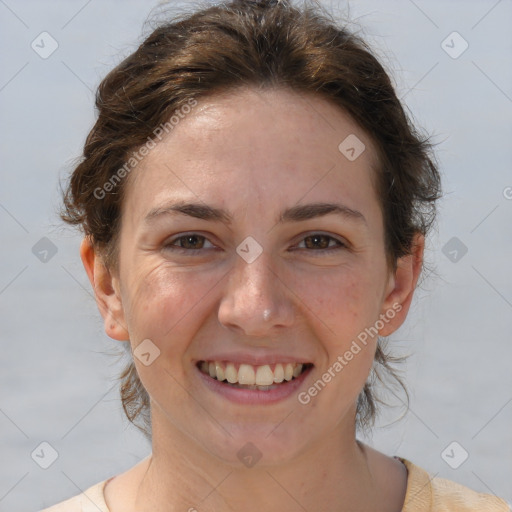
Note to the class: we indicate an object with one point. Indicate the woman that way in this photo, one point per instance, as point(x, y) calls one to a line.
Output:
point(255, 205)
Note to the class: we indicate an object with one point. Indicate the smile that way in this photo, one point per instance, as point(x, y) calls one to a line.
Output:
point(246, 376)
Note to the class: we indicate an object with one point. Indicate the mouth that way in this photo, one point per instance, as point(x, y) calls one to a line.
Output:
point(249, 377)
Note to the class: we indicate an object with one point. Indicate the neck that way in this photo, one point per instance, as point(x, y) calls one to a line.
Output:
point(333, 474)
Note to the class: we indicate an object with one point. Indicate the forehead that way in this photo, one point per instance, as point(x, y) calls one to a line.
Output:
point(251, 144)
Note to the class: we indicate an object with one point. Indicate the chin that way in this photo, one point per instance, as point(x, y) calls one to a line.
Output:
point(268, 444)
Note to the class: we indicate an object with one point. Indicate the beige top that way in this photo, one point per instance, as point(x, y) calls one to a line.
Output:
point(424, 494)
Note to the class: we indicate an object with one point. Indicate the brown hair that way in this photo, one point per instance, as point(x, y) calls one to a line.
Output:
point(267, 43)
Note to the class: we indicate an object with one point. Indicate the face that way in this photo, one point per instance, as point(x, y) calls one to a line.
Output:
point(239, 275)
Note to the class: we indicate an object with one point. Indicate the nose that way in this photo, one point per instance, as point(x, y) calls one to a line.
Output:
point(256, 301)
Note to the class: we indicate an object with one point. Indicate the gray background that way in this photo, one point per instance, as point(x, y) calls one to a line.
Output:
point(58, 369)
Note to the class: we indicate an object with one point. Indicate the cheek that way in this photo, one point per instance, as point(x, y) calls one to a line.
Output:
point(341, 305)
point(342, 302)
point(161, 303)
point(164, 308)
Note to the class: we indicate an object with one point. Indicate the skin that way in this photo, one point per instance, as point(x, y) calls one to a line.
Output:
point(254, 153)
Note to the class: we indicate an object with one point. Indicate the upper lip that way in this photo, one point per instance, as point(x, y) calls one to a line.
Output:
point(254, 359)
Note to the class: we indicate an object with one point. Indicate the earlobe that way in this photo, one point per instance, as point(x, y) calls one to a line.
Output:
point(401, 287)
point(107, 297)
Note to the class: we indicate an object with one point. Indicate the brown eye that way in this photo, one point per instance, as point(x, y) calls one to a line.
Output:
point(322, 242)
point(189, 242)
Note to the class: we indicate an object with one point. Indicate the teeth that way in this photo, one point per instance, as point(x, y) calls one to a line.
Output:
point(252, 377)
point(279, 373)
point(246, 375)
point(264, 376)
point(219, 371)
point(288, 372)
point(231, 373)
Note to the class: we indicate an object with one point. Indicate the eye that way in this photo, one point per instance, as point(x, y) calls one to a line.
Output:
point(191, 242)
point(322, 242)
point(188, 242)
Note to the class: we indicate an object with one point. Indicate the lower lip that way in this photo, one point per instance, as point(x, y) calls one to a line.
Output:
point(255, 396)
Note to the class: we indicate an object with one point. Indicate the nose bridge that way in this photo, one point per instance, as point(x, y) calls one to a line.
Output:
point(254, 299)
point(255, 281)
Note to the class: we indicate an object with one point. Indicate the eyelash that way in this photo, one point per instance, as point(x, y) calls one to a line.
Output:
point(341, 245)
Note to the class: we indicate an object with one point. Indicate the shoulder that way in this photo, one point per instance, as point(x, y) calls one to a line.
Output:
point(427, 493)
point(448, 495)
point(90, 500)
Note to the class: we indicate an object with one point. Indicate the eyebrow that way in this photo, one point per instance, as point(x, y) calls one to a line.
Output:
point(293, 214)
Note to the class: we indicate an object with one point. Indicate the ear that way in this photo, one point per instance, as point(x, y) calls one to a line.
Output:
point(401, 286)
point(106, 291)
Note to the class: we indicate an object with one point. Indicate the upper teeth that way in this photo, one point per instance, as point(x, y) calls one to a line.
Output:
point(251, 375)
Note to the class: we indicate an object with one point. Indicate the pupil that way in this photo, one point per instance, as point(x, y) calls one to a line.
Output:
point(316, 239)
point(191, 240)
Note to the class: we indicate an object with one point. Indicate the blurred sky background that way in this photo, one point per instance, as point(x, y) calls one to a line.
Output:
point(57, 374)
